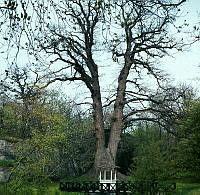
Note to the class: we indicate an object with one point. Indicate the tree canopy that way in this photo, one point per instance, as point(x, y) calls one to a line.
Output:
point(66, 39)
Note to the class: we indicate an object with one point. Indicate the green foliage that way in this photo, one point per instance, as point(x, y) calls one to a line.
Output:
point(49, 189)
point(6, 163)
point(81, 139)
point(10, 117)
point(37, 158)
point(61, 143)
point(11, 139)
point(82, 178)
point(188, 148)
point(125, 153)
point(153, 161)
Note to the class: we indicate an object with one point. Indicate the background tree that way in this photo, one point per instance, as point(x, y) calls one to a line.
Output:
point(153, 158)
point(69, 147)
point(22, 94)
point(187, 151)
point(38, 158)
point(65, 37)
point(170, 105)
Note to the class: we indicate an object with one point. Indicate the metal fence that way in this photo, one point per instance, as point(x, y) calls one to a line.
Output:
point(144, 187)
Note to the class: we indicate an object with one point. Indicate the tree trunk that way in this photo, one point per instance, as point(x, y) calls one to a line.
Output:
point(117, 119)
point(101, 156)
point(106, 156)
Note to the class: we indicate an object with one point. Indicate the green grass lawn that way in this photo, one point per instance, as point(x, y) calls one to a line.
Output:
point(188, 189)
point(52, 189)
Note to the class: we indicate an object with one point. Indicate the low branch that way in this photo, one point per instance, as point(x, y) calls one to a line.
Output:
point(61, 79)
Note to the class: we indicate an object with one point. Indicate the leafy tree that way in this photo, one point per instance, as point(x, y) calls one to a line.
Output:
point(188, 149)
point(154, 159)
point(80, 155)
point(30, 112)
point(38, 158)
point(19, 87)
point(47, 121)
point(79, 132)
point(10, 120)
point(59, 147)
point(66, 37)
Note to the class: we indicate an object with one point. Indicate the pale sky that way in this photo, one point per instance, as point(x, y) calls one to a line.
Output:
point(183, 67)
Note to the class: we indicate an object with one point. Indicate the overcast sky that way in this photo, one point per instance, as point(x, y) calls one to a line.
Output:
point(183, 67)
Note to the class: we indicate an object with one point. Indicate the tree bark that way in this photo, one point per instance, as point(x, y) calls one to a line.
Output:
point(117, 119)
point(98, 121)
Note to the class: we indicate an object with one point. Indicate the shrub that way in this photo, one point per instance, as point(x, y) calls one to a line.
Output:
point(6, 163)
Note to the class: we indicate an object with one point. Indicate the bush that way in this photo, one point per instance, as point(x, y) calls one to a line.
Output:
point(6, 163)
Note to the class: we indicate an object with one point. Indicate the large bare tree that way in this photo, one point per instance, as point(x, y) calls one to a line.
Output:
point(65, 37)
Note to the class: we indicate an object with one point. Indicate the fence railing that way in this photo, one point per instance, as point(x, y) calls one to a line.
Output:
point(124, 186)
